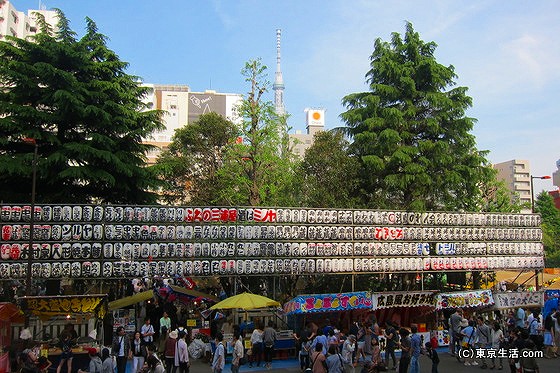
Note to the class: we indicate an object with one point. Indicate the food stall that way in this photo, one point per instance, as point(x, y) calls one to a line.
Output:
point(470, 301)
point(82, 310)
point(406, 308)
point(9, 313)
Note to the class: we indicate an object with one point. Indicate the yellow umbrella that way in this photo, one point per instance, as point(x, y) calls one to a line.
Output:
point(245, 301)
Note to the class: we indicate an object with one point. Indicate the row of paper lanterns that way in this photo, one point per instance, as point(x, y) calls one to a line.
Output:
point(118, 251)
point(87, 232)
point(96, 269)
point(98, 213)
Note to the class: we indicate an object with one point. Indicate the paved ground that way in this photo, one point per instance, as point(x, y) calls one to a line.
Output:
point(448, 364)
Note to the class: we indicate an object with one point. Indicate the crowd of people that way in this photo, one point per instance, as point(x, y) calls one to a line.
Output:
point(520, 330)
point(328, 349)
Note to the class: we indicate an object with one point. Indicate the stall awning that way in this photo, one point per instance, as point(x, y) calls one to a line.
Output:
point(193, 293)
point(47, 306)
point(10, 312)
point(527, 278)
point(133, 299)
point(465, 299)
point(328, 302)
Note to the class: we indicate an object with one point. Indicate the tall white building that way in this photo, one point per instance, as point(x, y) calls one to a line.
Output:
point(556, 175)
point(517, 176)
point(21, 25)
point(181, 107)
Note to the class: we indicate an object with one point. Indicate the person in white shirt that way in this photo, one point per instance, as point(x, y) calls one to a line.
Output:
point(147, 332)
point(182, 353)
point(257, 345)
point(238, 352)
point(219, 359)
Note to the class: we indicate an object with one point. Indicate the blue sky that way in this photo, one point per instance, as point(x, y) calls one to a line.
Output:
point(506, 52)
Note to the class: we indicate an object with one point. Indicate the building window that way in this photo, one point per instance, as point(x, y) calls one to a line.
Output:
point(173, 107)
point(15, 17)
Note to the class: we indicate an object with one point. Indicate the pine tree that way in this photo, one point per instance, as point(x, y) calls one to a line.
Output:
point(75, 99)
point(411, 133)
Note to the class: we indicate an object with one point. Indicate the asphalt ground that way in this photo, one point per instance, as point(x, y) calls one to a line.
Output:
point(448, 364)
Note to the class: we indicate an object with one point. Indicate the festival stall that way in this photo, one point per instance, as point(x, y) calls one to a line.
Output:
point(469, 301)
point(406, 309)
point(9, 313)
point(86, 312)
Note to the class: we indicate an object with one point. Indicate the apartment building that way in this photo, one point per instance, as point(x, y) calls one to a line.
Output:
point(182, 107)
point(517, 176)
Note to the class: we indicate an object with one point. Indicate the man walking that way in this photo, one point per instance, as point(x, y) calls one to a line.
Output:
point(219, 360)
point(121, 349)
point(483, 334)
point(416, 349)
point(269, 338)
point(455, 329)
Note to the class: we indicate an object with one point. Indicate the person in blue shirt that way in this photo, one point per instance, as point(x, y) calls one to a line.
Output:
point(320, 338)
point(415, 349)
point(520, 318)
point(468, 333)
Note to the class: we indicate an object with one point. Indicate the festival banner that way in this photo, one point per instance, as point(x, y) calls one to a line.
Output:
point(517, 299)
point(465, 299)
point(49, 306)
point(402, 299)
point(328, 302)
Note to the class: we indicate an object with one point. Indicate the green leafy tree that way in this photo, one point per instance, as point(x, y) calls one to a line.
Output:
point(550, 215)
point(496, 197)
point(189, 167)
point(411, 133)
point(75, 99)
point(328, 175)
point(257, 170)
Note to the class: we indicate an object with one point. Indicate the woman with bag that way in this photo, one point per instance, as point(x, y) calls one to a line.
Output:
point(237, 352)
point(318, 360)
point(138, 353)
point(304, 353)
point(468, 332)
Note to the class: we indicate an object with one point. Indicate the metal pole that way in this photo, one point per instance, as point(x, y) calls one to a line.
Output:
point(532, 196)
point(31, 221)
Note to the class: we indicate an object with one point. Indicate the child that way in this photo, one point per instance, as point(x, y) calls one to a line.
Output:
point(43, 364)
point(433, 355)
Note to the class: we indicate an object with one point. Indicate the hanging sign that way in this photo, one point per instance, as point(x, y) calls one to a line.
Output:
point(402, 299)
point(71, 304)
point(328, 302)
point(474, 298)
point(521, 298)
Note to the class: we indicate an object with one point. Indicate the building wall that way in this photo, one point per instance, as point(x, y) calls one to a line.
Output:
point(517, 176)
point(315, 122)
point(181, 107)
point(18, 24)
